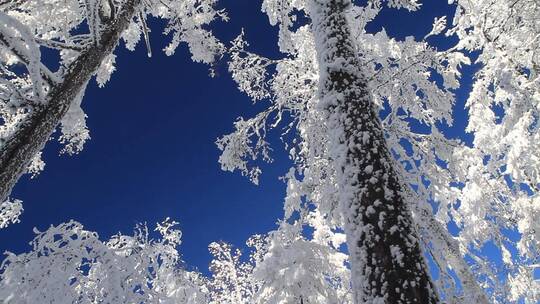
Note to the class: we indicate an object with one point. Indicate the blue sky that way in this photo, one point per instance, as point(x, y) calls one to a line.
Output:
point(152, 153)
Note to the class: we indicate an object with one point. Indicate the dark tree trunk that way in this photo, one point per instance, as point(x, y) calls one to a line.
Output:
point(31, 137)
point(386, 259)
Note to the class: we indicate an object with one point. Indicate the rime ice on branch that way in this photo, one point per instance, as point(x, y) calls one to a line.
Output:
point(69, 264)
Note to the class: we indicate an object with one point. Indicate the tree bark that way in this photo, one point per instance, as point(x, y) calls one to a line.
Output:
point(18, 151)
point(387, 265)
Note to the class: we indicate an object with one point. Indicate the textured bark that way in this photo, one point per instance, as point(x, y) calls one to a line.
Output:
point(30, 138)
point(386, 258)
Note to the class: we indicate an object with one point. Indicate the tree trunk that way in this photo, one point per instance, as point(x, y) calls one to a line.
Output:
point(31, 136)
point(387, 265)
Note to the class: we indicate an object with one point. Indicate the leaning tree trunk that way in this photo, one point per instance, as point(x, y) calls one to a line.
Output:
point(30, 138)
point(387, 265)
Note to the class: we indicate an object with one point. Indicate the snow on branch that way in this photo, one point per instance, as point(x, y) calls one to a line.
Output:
point(35, 100)
point(68, 263)
point(10, 212)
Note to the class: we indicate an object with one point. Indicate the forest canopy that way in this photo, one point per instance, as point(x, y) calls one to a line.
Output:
point(407, 156)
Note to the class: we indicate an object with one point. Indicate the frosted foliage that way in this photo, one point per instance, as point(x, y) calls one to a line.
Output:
point(232, 279)
point(103, 74)
point(10, 212)
point(410, 5)
point(249, 70)
point(187, 21)
point(497, 179)
point(439, 25)
point(287, 265)
point(280, 12)
point(294, 266)
point(36, 165)
point(69, 264)
point(246, 144)
point(73, 127)
point(132, 35)
point(295, 269)
point(523, 285)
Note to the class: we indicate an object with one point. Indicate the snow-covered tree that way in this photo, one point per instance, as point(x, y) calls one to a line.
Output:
point(38, 94)
point(69, 264)
point(489, 189)
point(398, 80)
point(364, 119)
point(386, 259)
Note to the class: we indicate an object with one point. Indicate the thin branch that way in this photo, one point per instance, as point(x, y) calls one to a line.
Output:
point(59, 45)
point(145, 34)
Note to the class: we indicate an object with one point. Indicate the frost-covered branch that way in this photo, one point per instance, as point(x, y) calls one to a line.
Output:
point(69, 264)
point(34, 101)
point(32, 134)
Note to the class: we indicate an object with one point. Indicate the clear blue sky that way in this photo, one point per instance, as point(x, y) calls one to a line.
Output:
point(152, 153)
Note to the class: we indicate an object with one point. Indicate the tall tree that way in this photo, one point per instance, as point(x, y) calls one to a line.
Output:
point(387, 264)
point(30, 136)
point(35, 100)
point(487, 186)
point(341, 136)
